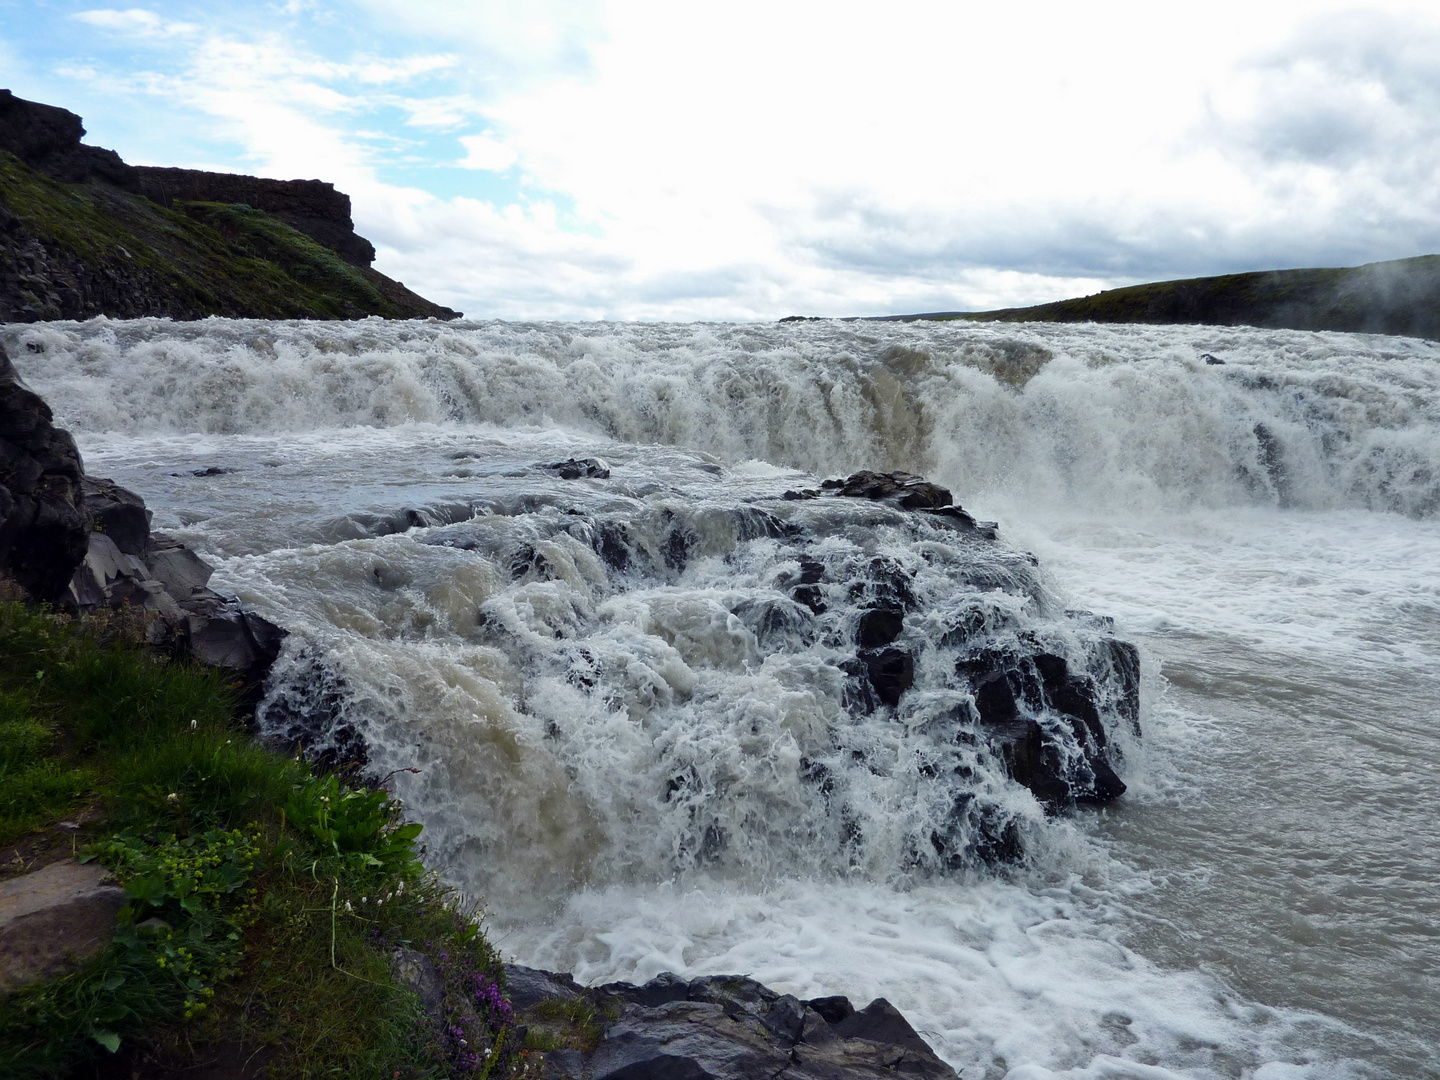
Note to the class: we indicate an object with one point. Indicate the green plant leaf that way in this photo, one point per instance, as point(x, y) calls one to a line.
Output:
point(107, 1039)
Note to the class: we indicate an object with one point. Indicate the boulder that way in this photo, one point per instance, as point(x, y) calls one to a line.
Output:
point(525, 986)
point(44, 529)
point(881, 1022)
point(180, 570)
point(118, 513)
point(904, 489)
point(53, 918)
point(890, 671)
point(879, 626)
point(579, 468)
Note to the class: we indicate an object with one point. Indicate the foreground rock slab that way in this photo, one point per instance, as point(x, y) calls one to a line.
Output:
point(54, 917)
point(718, 1027)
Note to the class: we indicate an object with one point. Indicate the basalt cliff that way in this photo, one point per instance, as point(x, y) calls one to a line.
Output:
point(82, 234)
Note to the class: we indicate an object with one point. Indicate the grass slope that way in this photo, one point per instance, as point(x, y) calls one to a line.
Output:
point(75, 250)
point(1397, 297)
point(264, 900)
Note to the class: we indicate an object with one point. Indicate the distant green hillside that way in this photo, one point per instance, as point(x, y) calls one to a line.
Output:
point(75, 250)
point(1398, 297)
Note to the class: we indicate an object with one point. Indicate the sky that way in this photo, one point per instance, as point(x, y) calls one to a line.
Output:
point(638, 159)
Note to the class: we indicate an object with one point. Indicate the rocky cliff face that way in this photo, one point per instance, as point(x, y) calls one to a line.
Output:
point(82, 234)
point(43, 525)
point(312, 207)
point(47, 138)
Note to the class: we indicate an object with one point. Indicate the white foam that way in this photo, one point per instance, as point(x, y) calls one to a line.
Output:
point(1119, 416)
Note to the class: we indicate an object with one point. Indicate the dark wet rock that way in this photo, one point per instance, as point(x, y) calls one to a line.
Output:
point(213, 470)
point(1013, 689)
point(1124, 661)
point(775, 620)
point(527, 562)
point(801, 494)
point(811, 571)
point(858, 697)
point(812, 596)
point(833, 1009)
point(661, 990)
point(85, 543)
point(118, 513)
point(579, 468)
point(1071, 695)
point(890, 671)
point(976, 830)
point(752, 523)
point(1105, 784)
point(305, 711)
point(180, 570)
point(678, 545)
point(1209, 359)
point(881, 1022)
point(611, 541)
point(879, 626)
point(953, 515)
point(887, 584)
point(233, 638)
point(725, 1027)
point(44, 528)
point(1272, 457)
point(808, 591)
point(905, 489)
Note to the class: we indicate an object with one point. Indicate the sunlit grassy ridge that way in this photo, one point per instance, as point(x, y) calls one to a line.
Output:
point(264, 901)
point(197, 259)
point(1397, 297)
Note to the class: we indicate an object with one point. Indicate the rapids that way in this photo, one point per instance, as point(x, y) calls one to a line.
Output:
point(644, 754)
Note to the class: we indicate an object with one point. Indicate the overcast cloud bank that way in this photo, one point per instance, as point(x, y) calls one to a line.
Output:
point(636, 160)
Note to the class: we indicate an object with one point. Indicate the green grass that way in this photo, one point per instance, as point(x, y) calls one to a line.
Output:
point(34, 787)
point(263, 900)
point(1397, 297)
point(197, 259)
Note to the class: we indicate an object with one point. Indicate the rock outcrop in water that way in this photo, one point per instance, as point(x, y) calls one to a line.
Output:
point(717, 1027)
point(928, 668)
point(82, 234)
point(83, 543)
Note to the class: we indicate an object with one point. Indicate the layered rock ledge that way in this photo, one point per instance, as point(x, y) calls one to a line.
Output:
point(717, 1027)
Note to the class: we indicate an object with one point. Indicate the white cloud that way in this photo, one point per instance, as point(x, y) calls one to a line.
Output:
point(765, 159)
point(483, 152)
point(136, 21)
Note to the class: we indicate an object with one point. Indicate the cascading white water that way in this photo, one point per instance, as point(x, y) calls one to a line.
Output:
point(1129, 416)
point(647, 754)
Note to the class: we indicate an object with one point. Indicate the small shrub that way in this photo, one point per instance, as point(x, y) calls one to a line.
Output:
point(356, 823)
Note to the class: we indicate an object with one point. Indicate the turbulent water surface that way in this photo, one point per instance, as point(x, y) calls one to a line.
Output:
point(634, 743)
